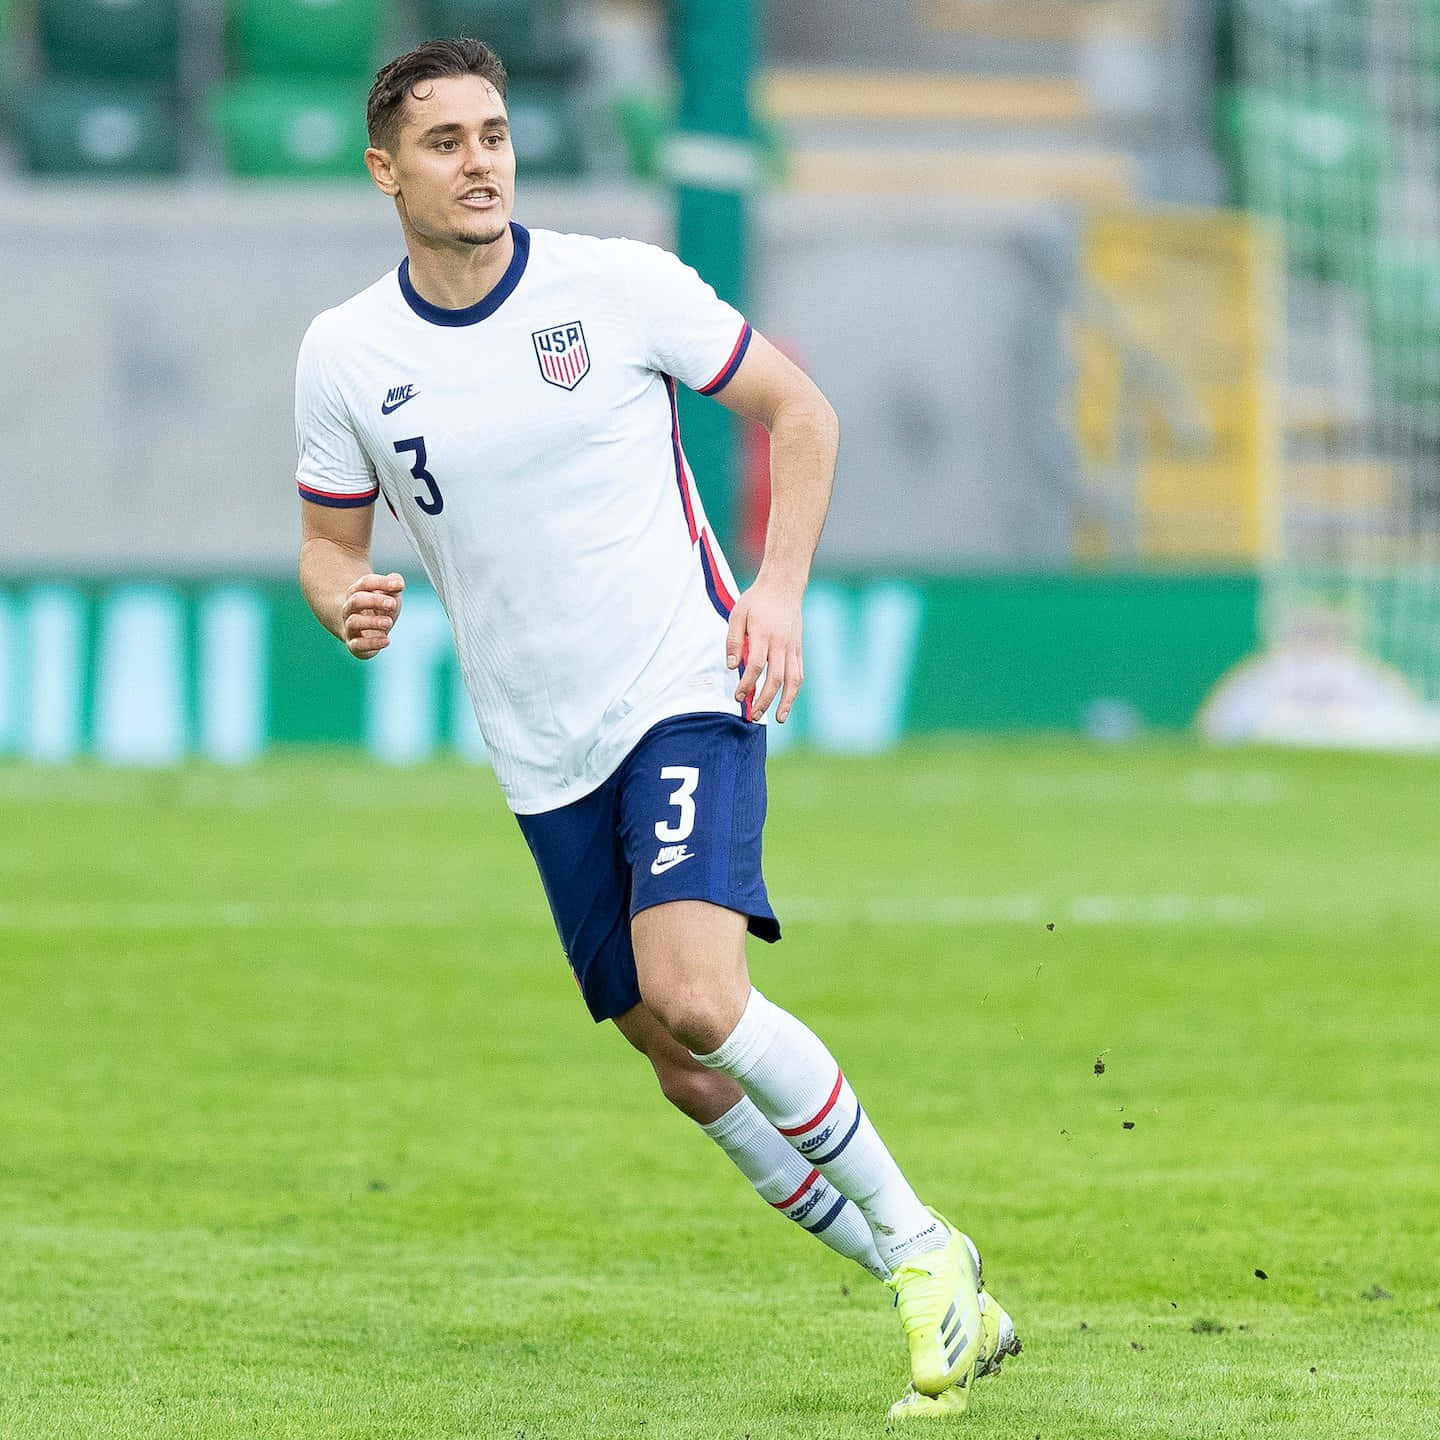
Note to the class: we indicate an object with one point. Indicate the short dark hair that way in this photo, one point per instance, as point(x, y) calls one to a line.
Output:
point(434, 60)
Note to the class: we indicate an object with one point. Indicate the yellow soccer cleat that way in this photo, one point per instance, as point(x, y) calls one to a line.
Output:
point(1000, 1337)
point(937, 1295)
point(912, 1405)
point(1000, 1341)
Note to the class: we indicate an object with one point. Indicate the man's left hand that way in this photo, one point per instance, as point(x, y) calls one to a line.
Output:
point(765, 635)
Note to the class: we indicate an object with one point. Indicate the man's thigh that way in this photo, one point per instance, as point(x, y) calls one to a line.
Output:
point(690, 962)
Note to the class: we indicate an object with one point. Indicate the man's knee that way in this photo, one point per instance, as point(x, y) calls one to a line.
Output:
point(701, 1094)
point(704, 1095)
point(690, 959)
point(700, 1017)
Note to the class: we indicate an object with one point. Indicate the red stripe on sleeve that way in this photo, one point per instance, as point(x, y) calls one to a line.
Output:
point(338, 494)
point(723, 373)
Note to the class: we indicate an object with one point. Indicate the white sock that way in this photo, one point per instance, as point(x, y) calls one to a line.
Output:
point(788, 1182)
point(797, 1086)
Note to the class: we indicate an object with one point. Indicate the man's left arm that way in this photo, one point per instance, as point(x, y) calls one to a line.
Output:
point(804, 439)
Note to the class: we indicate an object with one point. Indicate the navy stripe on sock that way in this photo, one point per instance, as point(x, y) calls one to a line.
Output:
point(849, 1136)
point(827, 1219)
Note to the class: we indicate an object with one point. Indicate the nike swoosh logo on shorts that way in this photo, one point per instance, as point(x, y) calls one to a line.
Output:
point(387, 409)
point(670, 857)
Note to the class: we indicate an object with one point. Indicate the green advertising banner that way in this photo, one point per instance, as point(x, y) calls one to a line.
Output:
point(151, 671)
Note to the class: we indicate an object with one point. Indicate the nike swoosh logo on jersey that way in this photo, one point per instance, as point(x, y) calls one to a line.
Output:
point(669, 857)
point(400, 395)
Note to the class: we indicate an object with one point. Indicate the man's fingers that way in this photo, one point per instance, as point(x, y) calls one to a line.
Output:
point(794, 679)
point(368, 619)
point(366, 623)
point(735, 636)
point(391, 584)
point(370, 609)
point(366, 602)
point(754, 660)
point(774, 679)
point(374, 592)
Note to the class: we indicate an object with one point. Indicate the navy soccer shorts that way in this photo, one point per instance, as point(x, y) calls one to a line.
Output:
point(679, 820)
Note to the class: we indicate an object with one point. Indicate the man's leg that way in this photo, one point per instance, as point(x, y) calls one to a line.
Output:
point(691, 968)
point(690, 960)
point(781, 1177)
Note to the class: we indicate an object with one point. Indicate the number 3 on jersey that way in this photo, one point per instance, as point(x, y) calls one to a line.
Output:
point(680, 797)
point(434, 502)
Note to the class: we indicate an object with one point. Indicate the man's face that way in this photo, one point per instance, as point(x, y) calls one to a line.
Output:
point(452, 166)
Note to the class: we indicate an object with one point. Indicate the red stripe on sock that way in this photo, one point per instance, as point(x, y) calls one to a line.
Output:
point(825, 1109)
point(810, 1179)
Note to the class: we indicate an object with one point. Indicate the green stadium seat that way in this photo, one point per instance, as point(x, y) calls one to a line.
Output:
point(94, 127)
point(1402, 290)
point(1313, 161)
point(545, 130)
point(139, 38)
point(645, 123)
point(310, 129)
point(305, 37)
point(532, 36)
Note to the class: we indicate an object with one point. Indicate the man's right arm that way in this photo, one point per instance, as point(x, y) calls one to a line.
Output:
point(348, 598)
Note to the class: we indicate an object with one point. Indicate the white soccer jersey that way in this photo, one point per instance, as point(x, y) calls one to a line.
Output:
point(530, 447)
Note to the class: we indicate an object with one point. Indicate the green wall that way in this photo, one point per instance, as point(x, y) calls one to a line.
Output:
point(151, 669)
point(1008, 652)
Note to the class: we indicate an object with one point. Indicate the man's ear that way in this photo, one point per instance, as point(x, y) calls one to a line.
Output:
point(382, 172)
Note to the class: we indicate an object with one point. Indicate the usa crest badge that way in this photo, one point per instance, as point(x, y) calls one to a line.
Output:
point(562, 353)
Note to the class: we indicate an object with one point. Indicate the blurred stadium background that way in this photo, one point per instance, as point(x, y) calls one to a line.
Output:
point(1131, 310)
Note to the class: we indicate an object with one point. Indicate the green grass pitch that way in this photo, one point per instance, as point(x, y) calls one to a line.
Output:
point(304, 1132)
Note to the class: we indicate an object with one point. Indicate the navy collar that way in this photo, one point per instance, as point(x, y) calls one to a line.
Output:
point(488, 305)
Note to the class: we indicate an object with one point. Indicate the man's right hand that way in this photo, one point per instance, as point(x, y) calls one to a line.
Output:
point(371, 608)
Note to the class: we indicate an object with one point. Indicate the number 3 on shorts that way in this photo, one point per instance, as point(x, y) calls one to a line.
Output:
point(689, 778)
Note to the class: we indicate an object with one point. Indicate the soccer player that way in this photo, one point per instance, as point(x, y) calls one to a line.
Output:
point(511, 394)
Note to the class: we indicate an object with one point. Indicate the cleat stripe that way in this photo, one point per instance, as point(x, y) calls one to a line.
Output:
point(827, 1219)
point(849, 1136)
point(949, 1339)
point(949, 1316)
point(810, 1179)
point(825, 1109)
point(954, 1355)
